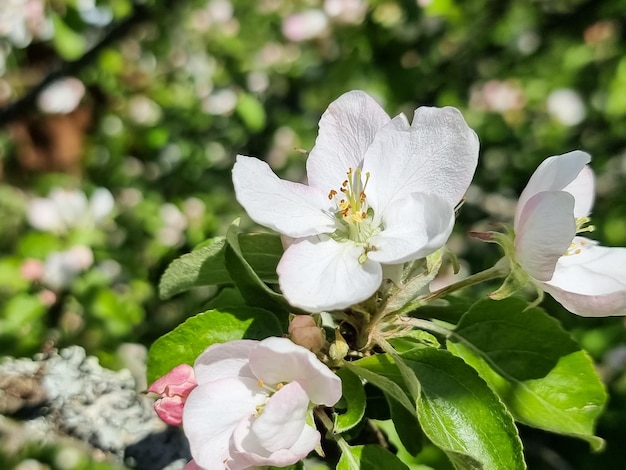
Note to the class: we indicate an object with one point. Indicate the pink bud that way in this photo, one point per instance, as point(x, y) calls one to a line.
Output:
point(304, 331)
point(174, 388)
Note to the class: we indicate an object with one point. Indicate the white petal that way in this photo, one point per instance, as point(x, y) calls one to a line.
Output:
point(554, 174)
point(211, 414)
point(224, 360)
point(591, 283)
point(437, 154)
point(293, 209)
point(72, 204)
point(583, 188)
point(347, 129)
point(415, 226)
point(544, 232)
point(278, 360)
point(43, 214)
point(283, 418)
point(246, 458)
point(319, 273)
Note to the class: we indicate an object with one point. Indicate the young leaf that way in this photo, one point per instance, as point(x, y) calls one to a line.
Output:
point(368, 457)
point(185, 343)
point(354, 399)
point(202, 267)
point(541, 374)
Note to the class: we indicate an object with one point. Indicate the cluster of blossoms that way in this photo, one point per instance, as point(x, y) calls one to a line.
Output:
point(380, 193)
point(248, 403)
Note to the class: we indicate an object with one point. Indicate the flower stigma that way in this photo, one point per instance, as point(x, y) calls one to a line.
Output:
point(353, 212)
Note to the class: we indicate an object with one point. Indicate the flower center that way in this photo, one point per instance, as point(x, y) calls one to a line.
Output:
point(577, 245)
point(353, 211)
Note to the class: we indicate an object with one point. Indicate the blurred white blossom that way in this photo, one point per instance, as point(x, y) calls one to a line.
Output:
point(305, 25)
point(65, 209)
point(61, 267)
point(62, 96)
point(566, 106)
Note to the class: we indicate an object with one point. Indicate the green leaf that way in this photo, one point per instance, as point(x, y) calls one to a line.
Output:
point(203, 267)
point(206, 265)
point(263, 252)
point(254, 291)
point(379, 370)
point(185, 343)
point(353, 397)
point(407, 427)
point(368, 457)
point(458, 412)
point(541, 374)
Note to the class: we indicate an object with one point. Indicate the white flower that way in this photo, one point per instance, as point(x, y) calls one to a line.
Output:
point(62, 267)
point(251, 406)
point(380, 192)
point(65, 209)
point(586, 278)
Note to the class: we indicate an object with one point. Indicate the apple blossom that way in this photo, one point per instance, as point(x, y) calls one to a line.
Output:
point(586, 278)
point(65, 209)
point(380, 192)
point(252, 405)
point(174, 387)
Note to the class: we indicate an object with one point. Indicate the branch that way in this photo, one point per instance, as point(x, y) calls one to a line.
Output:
point(23, 105)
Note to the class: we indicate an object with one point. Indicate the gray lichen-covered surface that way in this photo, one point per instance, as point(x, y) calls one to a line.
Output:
point(66, 397)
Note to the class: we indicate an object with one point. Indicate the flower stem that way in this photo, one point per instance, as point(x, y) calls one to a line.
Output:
point(328, 424)
point(500, 269)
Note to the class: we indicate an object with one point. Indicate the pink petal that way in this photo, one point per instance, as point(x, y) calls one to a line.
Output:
point(436, 154)
point(278, 360)
point(192, 465)
point(544, 232)
point(170, 409)
point(292, 209)
point(347, 129)
point(211, 414)
point(554, 174)
point(224, 360)
point(179, 381)
point(319, 273)
point(415, 226)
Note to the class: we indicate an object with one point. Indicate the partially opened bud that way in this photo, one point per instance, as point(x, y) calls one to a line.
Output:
point(174, 388)
point(304, 331)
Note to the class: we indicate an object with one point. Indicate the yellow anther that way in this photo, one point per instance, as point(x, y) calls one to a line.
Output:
point(279, 386)
point(332, 194)
point(260, 383)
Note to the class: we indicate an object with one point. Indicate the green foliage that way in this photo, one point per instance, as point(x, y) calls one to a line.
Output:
point(541, 374)
point(185, 343)
point(170, 102)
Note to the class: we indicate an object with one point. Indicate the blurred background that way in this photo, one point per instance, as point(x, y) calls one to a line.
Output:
point(120, 121)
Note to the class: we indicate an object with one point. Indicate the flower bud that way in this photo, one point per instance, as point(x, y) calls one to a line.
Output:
point(304, 331)
point(174, 388)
